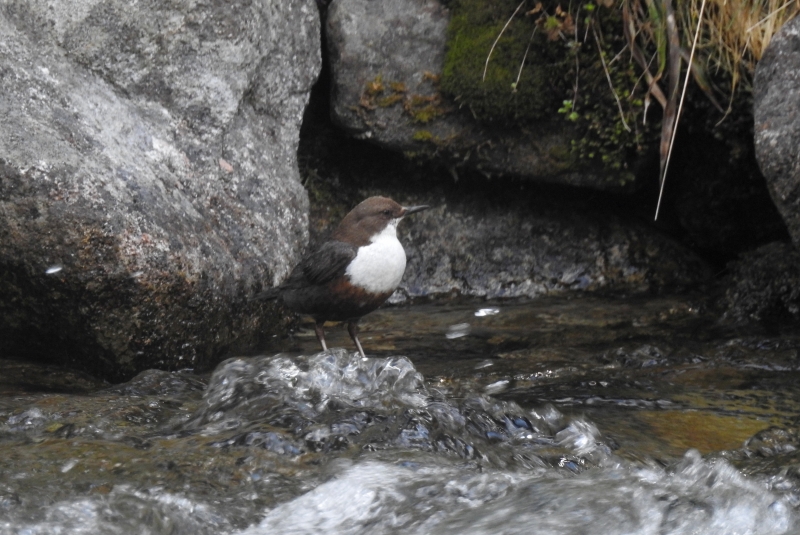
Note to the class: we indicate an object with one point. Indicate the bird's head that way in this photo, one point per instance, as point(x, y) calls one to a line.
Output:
point(372, 217)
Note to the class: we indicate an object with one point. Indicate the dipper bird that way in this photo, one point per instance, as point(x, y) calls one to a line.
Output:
point(354, 272)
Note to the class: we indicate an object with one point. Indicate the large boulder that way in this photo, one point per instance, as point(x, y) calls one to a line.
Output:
point(387, 57)
point(534, 247)
point(776, 110)
point(148, 175)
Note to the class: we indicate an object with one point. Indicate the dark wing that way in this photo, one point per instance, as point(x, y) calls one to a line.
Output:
point(323, 265)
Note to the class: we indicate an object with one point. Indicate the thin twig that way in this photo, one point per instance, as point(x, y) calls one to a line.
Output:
point(659, 96)
point(615, 58)
point(673, 66)
point(486, 67)
point(610, 83)
point(576, 86)
point(680, 106)
point(521, 65)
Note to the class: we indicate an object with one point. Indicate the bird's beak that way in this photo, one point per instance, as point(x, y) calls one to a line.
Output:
point(413, 209)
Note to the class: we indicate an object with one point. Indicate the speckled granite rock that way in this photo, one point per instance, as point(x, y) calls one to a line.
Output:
point(764, 285)
point(148, 175)
point(530, 249)
point(776, 111)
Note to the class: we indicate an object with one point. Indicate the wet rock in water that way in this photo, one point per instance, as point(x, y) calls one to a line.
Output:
point(776, 110)
point(159, 383)
point(387, 57)
point(773, 441)
point(148, 176)
point(18, 376)
point(534, 248)
point(337, 401)
point(246, 388)
point(765, 285)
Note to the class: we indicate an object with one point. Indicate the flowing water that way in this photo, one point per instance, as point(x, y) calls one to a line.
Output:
point(563, 415)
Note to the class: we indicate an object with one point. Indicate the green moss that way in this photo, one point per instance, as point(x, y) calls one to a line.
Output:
point(474, 26)
point(390, 100)
point(426, 114)
point(611, 128)
point(422, 135)
point(562, 157)
point(563, 78)
point(375, 86)
point(421, 108)
point(424, 109)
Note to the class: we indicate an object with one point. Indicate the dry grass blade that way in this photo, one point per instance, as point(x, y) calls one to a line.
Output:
point(670, 119)
point(629, 29)
point(524, 57)
point(488, 57)
point(610, 83)
point(771, 14)
point(701, 79)
point(680, 107)
point(736, 33)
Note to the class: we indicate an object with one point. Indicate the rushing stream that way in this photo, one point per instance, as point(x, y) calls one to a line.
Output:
point(580, 415)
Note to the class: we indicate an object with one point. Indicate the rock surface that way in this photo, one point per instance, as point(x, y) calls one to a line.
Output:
point(386, 58)
point(776, 110)
point(148, 175)
point(474, 248)
point(491, 238)
point(764, 285)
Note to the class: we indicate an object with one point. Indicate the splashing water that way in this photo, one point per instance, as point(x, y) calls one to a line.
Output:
point(334, 443)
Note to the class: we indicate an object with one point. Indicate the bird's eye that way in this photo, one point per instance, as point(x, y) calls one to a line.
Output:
point(387, 212)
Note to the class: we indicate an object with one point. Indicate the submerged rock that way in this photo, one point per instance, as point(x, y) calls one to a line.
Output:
point(148, 176)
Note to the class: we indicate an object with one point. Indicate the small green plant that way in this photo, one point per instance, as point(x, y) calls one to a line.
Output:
point(567, 109)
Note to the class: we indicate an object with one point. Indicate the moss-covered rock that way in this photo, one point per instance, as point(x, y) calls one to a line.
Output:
point(389, 87)
point(496, 83)
point(550, 64)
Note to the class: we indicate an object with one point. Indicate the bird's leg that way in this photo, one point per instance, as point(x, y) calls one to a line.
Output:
point(352, 328)
point(320, 334)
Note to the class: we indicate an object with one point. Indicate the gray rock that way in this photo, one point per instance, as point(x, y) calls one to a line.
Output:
point(401, 43)
point(776, 110)
point(148, 175)
point(474, 248)
point(764, 285)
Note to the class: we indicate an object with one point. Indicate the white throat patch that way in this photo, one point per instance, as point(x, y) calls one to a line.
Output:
point(379, 266)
